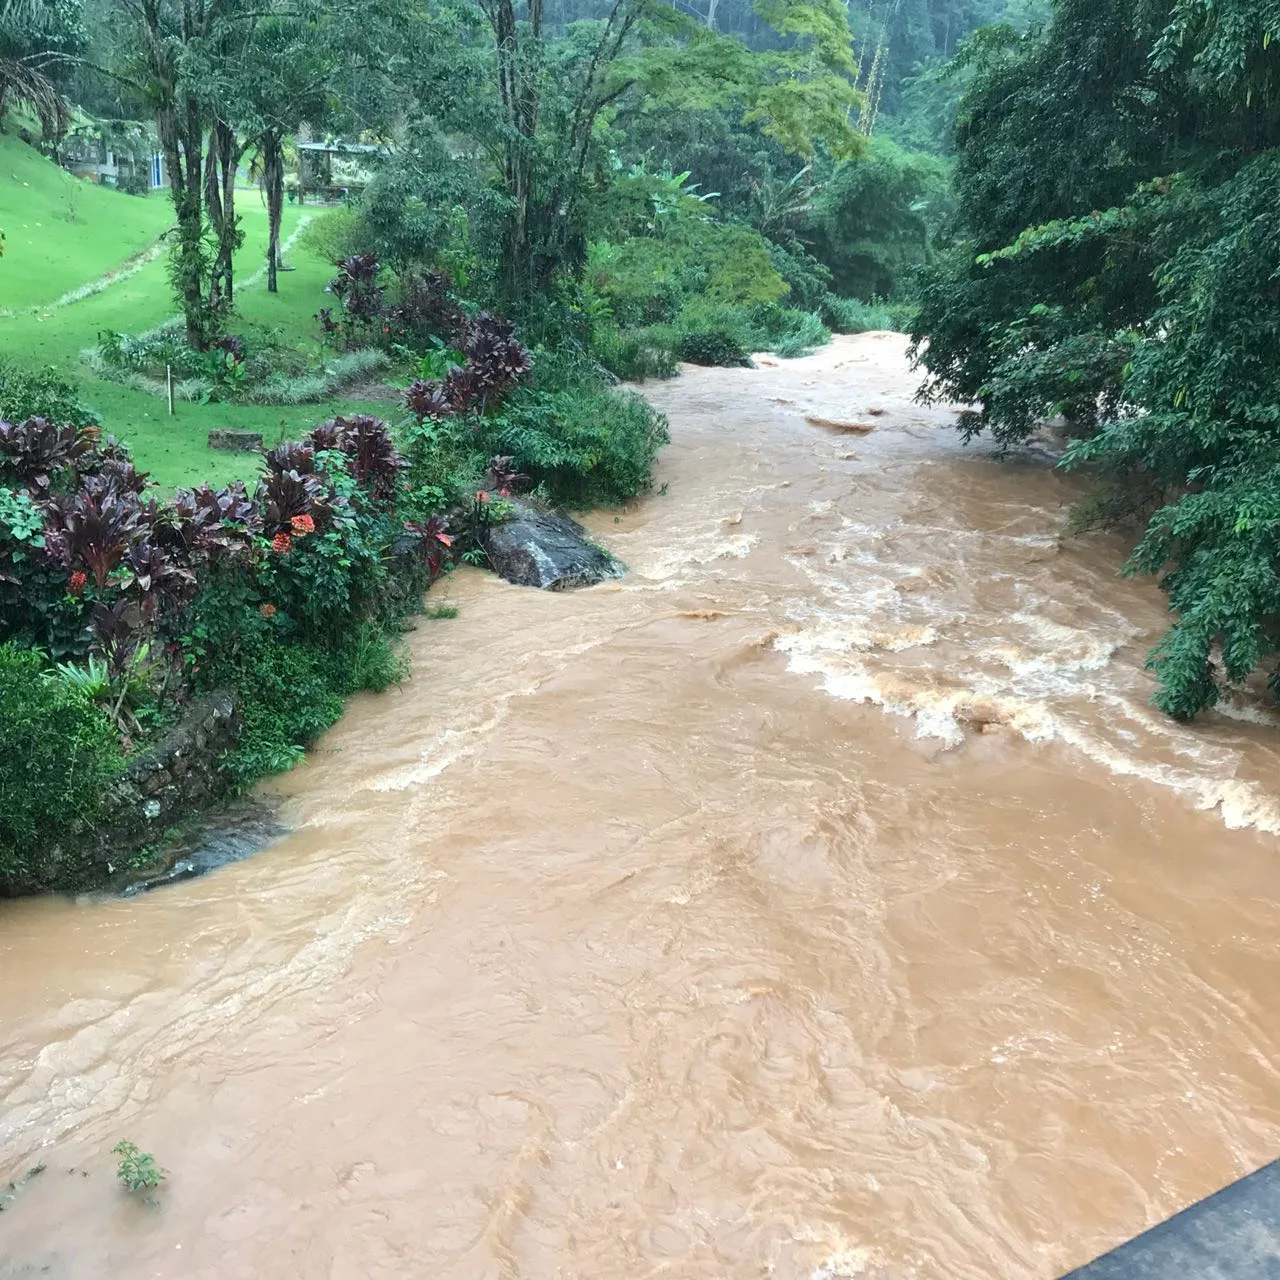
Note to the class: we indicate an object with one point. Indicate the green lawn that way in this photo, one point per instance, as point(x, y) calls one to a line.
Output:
point(172, 449)
point(61, 232)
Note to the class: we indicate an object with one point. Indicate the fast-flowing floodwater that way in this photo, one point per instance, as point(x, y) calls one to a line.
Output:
point(820, 900)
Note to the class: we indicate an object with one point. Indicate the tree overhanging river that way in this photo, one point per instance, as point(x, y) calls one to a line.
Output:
point(820, 900)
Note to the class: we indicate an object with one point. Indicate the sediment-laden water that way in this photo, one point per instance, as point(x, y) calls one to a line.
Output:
point(820, 900)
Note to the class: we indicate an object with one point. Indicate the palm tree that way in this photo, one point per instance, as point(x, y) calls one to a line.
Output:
point(22, 78)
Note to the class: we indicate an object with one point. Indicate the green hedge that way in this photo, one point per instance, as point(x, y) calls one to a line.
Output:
point(291, 693)
point(580, 440)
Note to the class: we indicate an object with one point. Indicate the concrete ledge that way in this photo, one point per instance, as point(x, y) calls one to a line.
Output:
point(1232, 1235)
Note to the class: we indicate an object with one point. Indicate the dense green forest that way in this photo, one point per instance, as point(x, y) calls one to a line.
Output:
point(812, 124)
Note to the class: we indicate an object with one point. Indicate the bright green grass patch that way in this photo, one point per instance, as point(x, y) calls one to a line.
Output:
point(174, 448)
point(63, 232)
point(57, 335)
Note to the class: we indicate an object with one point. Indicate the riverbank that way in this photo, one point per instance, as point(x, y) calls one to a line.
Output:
point(821, 898)
point(282, 599)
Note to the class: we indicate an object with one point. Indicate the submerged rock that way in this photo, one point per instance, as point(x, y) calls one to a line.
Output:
point(835, 424)
point(546, 549)
point(222, 837)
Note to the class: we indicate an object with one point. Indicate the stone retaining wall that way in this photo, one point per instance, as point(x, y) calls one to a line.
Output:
point(160, 789)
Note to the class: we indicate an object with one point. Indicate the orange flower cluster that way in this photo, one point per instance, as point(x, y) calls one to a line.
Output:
point(267, 610)
point(302, 525)
point(78, 582)
point(281, 543)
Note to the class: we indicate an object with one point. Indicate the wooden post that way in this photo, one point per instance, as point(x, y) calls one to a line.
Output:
point(168, 377)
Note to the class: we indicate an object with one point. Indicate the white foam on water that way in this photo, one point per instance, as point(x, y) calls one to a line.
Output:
point(1240, 802)
point(1018, 668)
point(950, 713)
point(1246, 713)
point(1051, 648)
point(846, 1263)
point(852, 635)
point(688, 549)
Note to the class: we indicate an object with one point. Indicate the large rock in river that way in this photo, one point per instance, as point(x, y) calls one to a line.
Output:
point(546, 549)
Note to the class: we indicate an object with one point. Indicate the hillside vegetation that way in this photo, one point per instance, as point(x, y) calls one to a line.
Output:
point(1116, 260)
point(540, 204)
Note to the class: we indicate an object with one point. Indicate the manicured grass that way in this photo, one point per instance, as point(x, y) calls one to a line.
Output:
point(172, 449)
point(57, 335)
point(61, 232)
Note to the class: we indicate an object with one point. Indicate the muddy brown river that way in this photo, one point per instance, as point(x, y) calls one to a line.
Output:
point(821, 900)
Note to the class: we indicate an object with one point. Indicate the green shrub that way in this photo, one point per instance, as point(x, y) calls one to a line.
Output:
point(878, 217)
point(137, 1170)
point(150, 353)
point(649, 279)
point(852, 315)
point(582, 441)
point(637, 355)
point(310, 388)
point(807, 334)
point(291, 693)
point(640, 280)
point(41, 393)
point(716, 347)
point(368, 662)
point(136, 182)
point(763, 326)
point(446, 465)
point(60, 751)
point(266, 370)
point(806, 277)
point(333, 235)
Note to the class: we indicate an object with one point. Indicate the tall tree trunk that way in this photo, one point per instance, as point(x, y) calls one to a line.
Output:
point(180, 126)
point(273, 180)
point(192, 255)
point(220, 195)
point(213, 202)
point(519, 70)
point(543, 231)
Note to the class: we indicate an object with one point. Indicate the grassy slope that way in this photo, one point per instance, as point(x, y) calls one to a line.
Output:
point(172, 449)
point(60, 231)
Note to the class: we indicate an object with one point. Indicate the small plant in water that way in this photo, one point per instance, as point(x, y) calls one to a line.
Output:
point(137, 1170)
